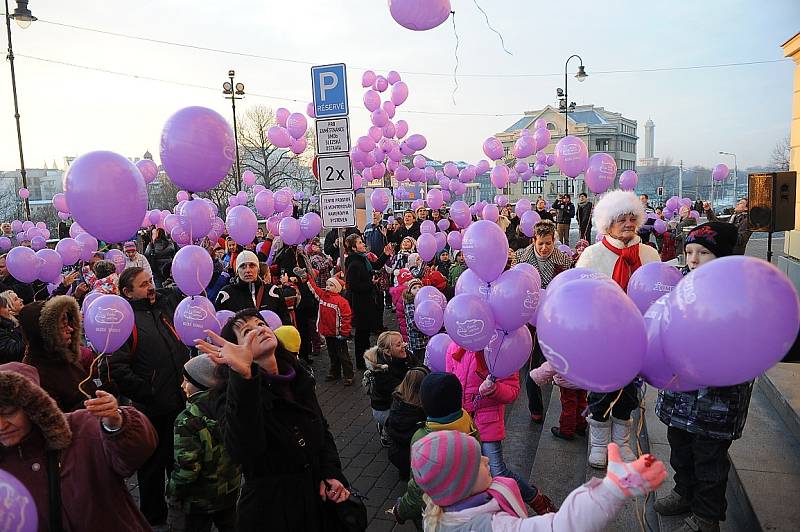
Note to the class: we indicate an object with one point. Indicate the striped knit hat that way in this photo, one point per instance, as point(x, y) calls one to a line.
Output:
point(445, 464)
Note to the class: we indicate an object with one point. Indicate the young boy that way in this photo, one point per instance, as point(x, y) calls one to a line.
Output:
point(702, 424)
point(334, 323)
point(204, 484)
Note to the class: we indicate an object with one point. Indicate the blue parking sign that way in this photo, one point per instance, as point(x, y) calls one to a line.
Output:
point(329, 84)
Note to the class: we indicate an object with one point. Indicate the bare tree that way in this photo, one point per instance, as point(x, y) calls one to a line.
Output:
point(780, 154)
point(162, 193)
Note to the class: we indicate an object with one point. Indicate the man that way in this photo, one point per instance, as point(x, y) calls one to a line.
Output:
point(647, 228)
point(409, 227)
point(565, 212)
point(8, 282)
point(740, 218)
point(249, 291)
point(584, 217)
point(148, 370)
point(375, 233)
point(422, 214)
point(135, 259)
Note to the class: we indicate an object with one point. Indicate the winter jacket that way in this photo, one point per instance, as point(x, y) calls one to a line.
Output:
point(362, 291)
point(417, 339)
point(712, 412)
point(334, 317)
point(160, 252)
point(404, 231)
point(374, 238)
point(488, 412)
point(742, 222)
point(59, 369)
point(12, 345)
point(434, 278)
point(384, 373)
point(455, 272)
point(329, 244)
point(404, 420)
point(396, 293)
point(323, 265)
point(545, 373)
point(565, 212)
point(601, 259)
point(94, 462)
point(204, 478)
point(584, 214)
point(148, 368)
point(23, 290)
point(139, 261)
point(240, 295)
point(219, 280)
point(278, 433)
point(548, 268)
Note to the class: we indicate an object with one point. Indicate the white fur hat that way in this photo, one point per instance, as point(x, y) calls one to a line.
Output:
point(614, 204)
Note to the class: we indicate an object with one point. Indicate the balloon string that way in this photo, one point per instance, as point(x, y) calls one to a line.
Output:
point(91, 366)
point(611, 405)
point(502, 42)
point(455, 53)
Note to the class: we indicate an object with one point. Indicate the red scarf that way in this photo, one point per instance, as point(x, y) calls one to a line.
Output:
point(628, 261)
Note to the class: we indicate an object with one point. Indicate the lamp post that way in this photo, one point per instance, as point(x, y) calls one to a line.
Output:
point(563, 102)
point(23, 16)
point(234, 92)
point(735, 172)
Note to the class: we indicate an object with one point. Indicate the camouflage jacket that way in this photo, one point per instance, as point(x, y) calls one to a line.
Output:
point(204, 478)
point(713, 412)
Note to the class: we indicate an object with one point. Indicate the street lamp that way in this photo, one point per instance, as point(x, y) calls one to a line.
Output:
point(233, 92)
point(23, 16)
point(564, 95)
point(735, 172)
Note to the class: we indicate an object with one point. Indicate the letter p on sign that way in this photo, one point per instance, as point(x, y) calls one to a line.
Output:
point(327, 81)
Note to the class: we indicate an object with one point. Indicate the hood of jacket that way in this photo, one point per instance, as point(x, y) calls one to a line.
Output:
point(463, 423)
point(39, 322)
point(19, 387)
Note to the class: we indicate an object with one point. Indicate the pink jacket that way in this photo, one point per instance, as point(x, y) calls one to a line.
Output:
point(488, 411)
point(545, 373)
point(397, 300)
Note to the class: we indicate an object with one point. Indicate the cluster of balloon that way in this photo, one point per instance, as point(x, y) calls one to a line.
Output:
point(419, 15)
point(40, 263)
point(720, 172)
point(675, 205)
point(35, 233)
point(290, 132)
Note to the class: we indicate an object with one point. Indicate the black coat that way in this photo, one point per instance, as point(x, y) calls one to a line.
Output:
point(385, 381)
point(413, 232)
point(148, 368)
point(239, 296)
point(12, 346)
point(362, 291)
point(565, 212)
point(544, 215)
point(404, 420)
point(23, 290)
point(329, 245)
point(585, 214)
point(278, 433)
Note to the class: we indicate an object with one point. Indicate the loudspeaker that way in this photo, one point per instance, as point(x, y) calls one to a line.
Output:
point(771, 200)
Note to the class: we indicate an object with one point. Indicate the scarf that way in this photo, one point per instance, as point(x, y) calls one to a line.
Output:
point(628, 261)
point(366, 261)
point(504, 490)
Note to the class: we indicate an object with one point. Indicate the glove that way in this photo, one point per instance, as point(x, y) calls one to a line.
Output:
point(301, 273)
point(537, 379)
point(633, 479)
point(487, 387)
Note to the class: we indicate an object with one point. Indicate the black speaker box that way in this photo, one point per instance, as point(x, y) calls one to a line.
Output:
point(771, 200)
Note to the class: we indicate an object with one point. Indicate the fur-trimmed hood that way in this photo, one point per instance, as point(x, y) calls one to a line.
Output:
point(39, 322)
point(19, 386)
point(614, 204)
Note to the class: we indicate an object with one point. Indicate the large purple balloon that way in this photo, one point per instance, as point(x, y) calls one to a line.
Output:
point(23, 264)
point(60, 201)
point(196, 218)
point(601, 172)
point(116, 256)
point(419, 15)
point(428, 317)
point(655, 369)
point(19, 507)
point(241, 224)
point(290, 232)
point(430, 293)
point(197, 149)
point(192, 269)
point(485, 249)
point(436, 351)
point(527, 221)
point(493, 148)
point(514, 298)
point(592, 334)
point(508, 351)
point(721, 306)
point(69, 250)
point(426, 246)
point(469, 321)
point(572, 156)
point(88, 245)
point(574, 274)
point(106, 194)
point(399, 93)
point(417, 142)
point(650, 282)
point(192, 317)
point(469, 283)
point(379, 199)
point(454, 239)
point(264, 203)
point(108, 322)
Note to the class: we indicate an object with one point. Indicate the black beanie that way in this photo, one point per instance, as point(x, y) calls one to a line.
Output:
point(718, 237)
point(441, 394)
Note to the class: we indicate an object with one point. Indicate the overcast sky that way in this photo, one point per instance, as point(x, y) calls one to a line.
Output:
point(67, 110)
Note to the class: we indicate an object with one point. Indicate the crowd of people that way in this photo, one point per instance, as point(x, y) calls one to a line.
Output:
point(230, 433)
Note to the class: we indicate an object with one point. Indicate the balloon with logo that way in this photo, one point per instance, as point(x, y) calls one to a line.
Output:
point(192, 269)
point(650, 282)
point(493, 148)
point(574, 274)
point(117, 257)
point(514, 298)
point(108, 323)
point(192, 317)
point(23, 264)
point(469, 321)
point(428, 317)
point(436, 351)
point(508, 351)
point(485, 249)
point(430, 293)
point(601, 172)
point(572, 155)
point(655, 369)
point(18, 508)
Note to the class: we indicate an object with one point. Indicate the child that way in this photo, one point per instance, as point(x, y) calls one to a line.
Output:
point(440, 395)
point(405, 416)
point(702, 424)
point(456, 269)
point(461, 493)
point(204, 484)
point(417, 340)
point(573, 402)
point(334, 323)
point(396, 293)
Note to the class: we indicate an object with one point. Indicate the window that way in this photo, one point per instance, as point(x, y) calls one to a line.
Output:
point(534, 187)
point(601, 144)
point(551, 126)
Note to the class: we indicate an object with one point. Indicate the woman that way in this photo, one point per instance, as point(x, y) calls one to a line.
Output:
point(541, 210)
point(12, 345)
point(617, 215)
point(361, 287)
point(87, 454)
point(405, 417)
point(272, 424)
point(159, 252)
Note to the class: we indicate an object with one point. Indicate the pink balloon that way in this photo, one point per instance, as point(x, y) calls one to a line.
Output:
point(367, 78)
point(523, 147)
point(375, 133)
point(279, 137)
point(485, 249)
point(601, 172)
point(527, 222)
point(491, 213)
point(541, 139)
point(572, 156)
point(379, 117)
point(500, 176)
point(289, 231)
point(628, 180)
point(393, 77)
point(249, 178)
point(298, 146)
point(508, 351)
point(264, 203)
point(402, 128)
point(493, 148)
point(310, 110)
point(436, 351)
point(372, 100)
point(417, 142)
point(281, 116)
point(108, 322)
point(399, 93)
point(720, 172)
point(390, 109)
point(310, 225)
point(434, 198)
point(379, 199)
point(469, 321)
point(147, 168)
point(419, 15)
point(381, 84)
point(88, 245)
point(24, 193)
point(272, 320)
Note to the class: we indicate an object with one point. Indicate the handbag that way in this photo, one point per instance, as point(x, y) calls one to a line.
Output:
point(350, 514)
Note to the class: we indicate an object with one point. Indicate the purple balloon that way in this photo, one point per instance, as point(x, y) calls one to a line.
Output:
point(490, 213)
point(601, 172)
point(574, 274)
point(367, 78)
point(499, 176)
point(117, 257)
point(430, 293)
point(469, 283)
point(443, 224)
point(272, 320)
point(660, 226)
point(655, 369)
point(281, 115)
point(572, 155)
point(527, 222)
point(469, 321)
point(310, 225)
point(197, 149)
point(628, 180)
point(296, 125)
point(441, 241)
point(192, 269)
point(429, 317)
point(88, 245)
point(514, 298)
point(493, 148)
point(419, 15)
point(454, 239)
point(434, 198)
point(524, 147)
point(707, 305)
point(508, 351)
point(60, 201)
point(19, 507)
point(720, 172)
point(485, 249)
point(146, 167)
point(694, 214)
point(426, 246)
point(5, 243)
point(379, 199)
point(428, 227)
point(223, 316)
point(417, 142)
point(196, 218)
point(108, 322)
point(69, 250)
point(541, 138)
point(264, 203)
point(290, 232)
point(650, 282)
point(241, 224)
point(571, 321)
point(23, 264)
point(399, 93)
point(460, 214)
point(436, 351)
point(193, 316)
point(106, 194)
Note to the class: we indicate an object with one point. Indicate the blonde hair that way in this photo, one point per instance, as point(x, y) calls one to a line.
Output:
point(382, 347)
point(431, 515)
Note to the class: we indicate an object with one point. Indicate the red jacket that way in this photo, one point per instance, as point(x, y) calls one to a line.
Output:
point(334, 315)
point(434, 278)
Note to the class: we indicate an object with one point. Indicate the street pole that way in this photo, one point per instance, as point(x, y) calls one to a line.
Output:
point(235, 92)
point(10, 58)
point(680, 180)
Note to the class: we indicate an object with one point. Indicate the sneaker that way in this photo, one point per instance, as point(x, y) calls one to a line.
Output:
point(542, 504)
point(694, 523)
point(673, 504)
point(537, 418)
point(331, 378)
point(558, 434)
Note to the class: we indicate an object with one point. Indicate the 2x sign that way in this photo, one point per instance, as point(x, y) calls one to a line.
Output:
point(335, 173)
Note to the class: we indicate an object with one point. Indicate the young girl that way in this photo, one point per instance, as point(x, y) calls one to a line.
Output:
point(702, 424)
point(462, 493)
point(573, 402)
point(396, 293)
point(404, 419)
point(417, 340)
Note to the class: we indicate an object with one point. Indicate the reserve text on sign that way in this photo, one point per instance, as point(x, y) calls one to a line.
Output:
point(333, 136)
point(338, 209)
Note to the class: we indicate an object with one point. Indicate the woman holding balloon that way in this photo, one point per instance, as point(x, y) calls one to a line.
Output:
point(618, 215)
point(159, 252)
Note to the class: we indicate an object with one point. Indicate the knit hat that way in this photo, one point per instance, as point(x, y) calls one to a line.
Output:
point(246, 257)
point(199, 371)
point(445, 464)
point(333, 285)
point(614, 204)
point(289, 338)
point(129, 246)
point(718, 237)
point(404, 276)
point(440, 393)
point(413, 282)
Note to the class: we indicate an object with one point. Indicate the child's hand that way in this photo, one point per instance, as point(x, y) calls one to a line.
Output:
point(633, 479)
point(487, 387)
